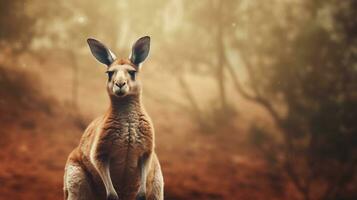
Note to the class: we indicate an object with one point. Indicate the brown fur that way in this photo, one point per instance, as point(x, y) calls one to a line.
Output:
point(115, 156)
point(123, 61)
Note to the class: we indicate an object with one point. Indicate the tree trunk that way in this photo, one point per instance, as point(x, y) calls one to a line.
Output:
point(220, 60)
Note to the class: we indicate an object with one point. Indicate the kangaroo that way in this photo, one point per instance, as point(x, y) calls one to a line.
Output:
point(115, 158)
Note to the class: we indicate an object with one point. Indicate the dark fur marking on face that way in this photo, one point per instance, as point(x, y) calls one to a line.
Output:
point(132, 74)
point(110, 74)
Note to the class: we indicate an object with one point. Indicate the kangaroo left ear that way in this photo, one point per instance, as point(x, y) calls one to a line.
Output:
point(101, 52)
point(140, 50)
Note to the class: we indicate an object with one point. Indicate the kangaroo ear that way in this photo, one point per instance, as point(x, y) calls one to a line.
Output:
point(100, 52)
point(140, 50)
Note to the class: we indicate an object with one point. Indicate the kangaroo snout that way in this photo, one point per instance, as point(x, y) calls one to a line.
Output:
point(120, 88)
point(120, 84)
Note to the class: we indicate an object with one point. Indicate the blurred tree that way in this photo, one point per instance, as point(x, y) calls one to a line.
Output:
point(17, 26)
point(301, 61)
point(66, 25)
point(201, 53)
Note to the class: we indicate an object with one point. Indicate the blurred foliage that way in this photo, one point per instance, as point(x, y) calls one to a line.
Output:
point(308, 68)
point(17, 26)
point(18, 96)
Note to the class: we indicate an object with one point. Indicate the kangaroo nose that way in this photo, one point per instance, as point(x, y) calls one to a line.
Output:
point(121, 84)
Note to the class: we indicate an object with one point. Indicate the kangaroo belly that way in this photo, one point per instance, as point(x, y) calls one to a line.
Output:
point(124, 168)
point(125, 172)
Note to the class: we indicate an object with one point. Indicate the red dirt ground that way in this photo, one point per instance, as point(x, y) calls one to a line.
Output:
point(35, 142)
point(33, 155)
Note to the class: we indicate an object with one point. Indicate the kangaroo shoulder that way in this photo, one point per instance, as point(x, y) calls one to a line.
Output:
point(90, 134)
point(94, 127)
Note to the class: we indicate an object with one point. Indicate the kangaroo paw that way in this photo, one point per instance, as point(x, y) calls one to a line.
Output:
point(112, 196)
point(141, 196)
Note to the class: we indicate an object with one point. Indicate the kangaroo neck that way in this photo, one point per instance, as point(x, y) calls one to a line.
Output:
point(125, 106)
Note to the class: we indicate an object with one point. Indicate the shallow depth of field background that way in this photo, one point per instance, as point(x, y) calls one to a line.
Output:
point(250, 99)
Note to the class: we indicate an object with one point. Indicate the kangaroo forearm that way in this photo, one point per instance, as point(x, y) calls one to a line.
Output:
point(100, 159)
point(104, 173)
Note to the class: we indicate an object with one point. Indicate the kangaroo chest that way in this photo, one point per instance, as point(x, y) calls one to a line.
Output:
point(132, 133)
point(128, 134)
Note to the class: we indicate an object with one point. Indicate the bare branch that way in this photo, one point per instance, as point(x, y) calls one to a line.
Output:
point(295, 178)
point(238, 85)
point(345, 177)
point(257, 97)
point(194, 105)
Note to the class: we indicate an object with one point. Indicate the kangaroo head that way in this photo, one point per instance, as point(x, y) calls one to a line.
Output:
point(122, 73)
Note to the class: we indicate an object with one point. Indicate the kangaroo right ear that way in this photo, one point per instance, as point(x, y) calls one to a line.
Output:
point(101, 52)
point(140, 50)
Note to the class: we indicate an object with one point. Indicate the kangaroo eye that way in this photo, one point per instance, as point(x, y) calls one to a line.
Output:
point(110, 74)
point(132, 74)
